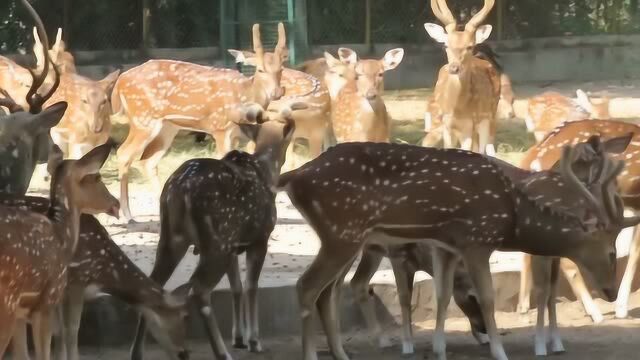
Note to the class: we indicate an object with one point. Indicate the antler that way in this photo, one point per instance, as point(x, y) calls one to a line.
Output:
point(8, 102)
point(443, 13)
point(566, 170)
point(478, 18)
point(34, 99)
point(257, 43)
point(282, 41)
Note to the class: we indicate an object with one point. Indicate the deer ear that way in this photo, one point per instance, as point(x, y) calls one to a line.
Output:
point(583, 101)
point(48, 118)
point(392, 59)
point(243, 57)
point(92, 162)
point(617, 145)
point(331, 60)
point(482, 33)
point(347, 55)
point(109, 82)
point(436, 32)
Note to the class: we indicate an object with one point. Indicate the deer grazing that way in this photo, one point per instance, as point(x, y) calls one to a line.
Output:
point(160, 97)
point(358, 112)
point(312, 123)
point(37, 249)
point(406, 260)
point(86, 123)
point(543, 156)
point(547, 110)
point(241, 187)
point(468, 88)
point(463, 203)
point(99, 265)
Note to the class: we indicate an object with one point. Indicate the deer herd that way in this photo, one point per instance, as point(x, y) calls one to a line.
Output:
point(439, 210)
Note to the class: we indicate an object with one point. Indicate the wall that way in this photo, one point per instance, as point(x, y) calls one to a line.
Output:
point(579, 58)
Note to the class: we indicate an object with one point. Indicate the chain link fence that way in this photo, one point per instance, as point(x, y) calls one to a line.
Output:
point(118, 24)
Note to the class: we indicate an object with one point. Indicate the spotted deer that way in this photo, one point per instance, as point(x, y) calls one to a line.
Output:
point(465, 204)
point(468, 88)
point(543, 156)
point(548, 110)
point(160, 97)
point(406, 260)
point(37, 249)
point(433, 125)
point(234, 200)
point(100, 266)
point(312, 123)
point(358, 112)
point(24, 136)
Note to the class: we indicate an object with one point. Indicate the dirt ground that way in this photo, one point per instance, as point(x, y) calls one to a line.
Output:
point(613, 339)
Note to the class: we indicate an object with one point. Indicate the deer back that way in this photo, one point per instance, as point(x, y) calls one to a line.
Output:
point(188, 95)
point(548, 110)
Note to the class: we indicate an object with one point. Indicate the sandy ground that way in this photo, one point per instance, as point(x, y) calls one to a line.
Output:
point(612, 339)
point(293, 245)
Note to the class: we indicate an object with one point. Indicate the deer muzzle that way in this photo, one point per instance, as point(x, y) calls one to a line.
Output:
point(371, 94)
point(454, 68)
point(114, 210)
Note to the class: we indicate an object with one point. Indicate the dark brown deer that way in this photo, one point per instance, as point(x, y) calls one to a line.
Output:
point(24, 136)
point(234, 200)
point(543, 156)
point(37, 249)
point(406, 260)
point(100, 266)
point(463, 203)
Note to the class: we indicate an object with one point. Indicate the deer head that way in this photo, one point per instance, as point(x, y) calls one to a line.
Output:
point(20, 131)
point(94, 100)
point(459, 45)
point(268, 66)
point(369, 74)
point(166, 322)
point(597, 108)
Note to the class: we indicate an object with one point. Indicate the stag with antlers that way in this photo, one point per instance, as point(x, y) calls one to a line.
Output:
point(463, 203)
point(160, 97)
point(468, 88)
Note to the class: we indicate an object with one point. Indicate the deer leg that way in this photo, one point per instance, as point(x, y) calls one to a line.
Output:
point(8, 321)
point(328, 308)
point(72, 314)
point(477, 263)
point(204, 279)
point(542, 268)
point(622, 302)
point(171, 249)
point(485, 138)
point(233, 273)
point(404, 282)
point(575, 279)
point(154, 152)
point(367, 267)
point(556, 340)
point(447, 135)
point(131, 150)
point(19, 345)
point(524, 297)
point(444, 265)
point(255, 261)
point(320, 274)
point(41, 328)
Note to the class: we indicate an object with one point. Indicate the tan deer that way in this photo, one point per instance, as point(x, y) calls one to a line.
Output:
point(544, 156)
point(160, 97)
point(312, 123)
point(465, 204)
point(468, 88)
point(99, 265)
point(86, 124)
point(550, 109)
point(37, 249)
point(358, 112)
point(237, 223)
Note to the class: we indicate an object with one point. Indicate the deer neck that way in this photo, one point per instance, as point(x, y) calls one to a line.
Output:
point(65, 217)
point(452, 90)
point(257, 93)
point(270, 159)
point(542, 231)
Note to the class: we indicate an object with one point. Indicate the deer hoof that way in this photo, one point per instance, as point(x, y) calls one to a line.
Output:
point(597, 318)
point(238, 343)
point(621, 313)
point(384, 342)
point(407, 348)
point(255, 346)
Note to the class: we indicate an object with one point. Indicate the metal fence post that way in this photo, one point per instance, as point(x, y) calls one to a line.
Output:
point(146, 20)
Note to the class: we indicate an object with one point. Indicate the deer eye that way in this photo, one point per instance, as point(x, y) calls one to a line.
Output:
point(261, 70)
